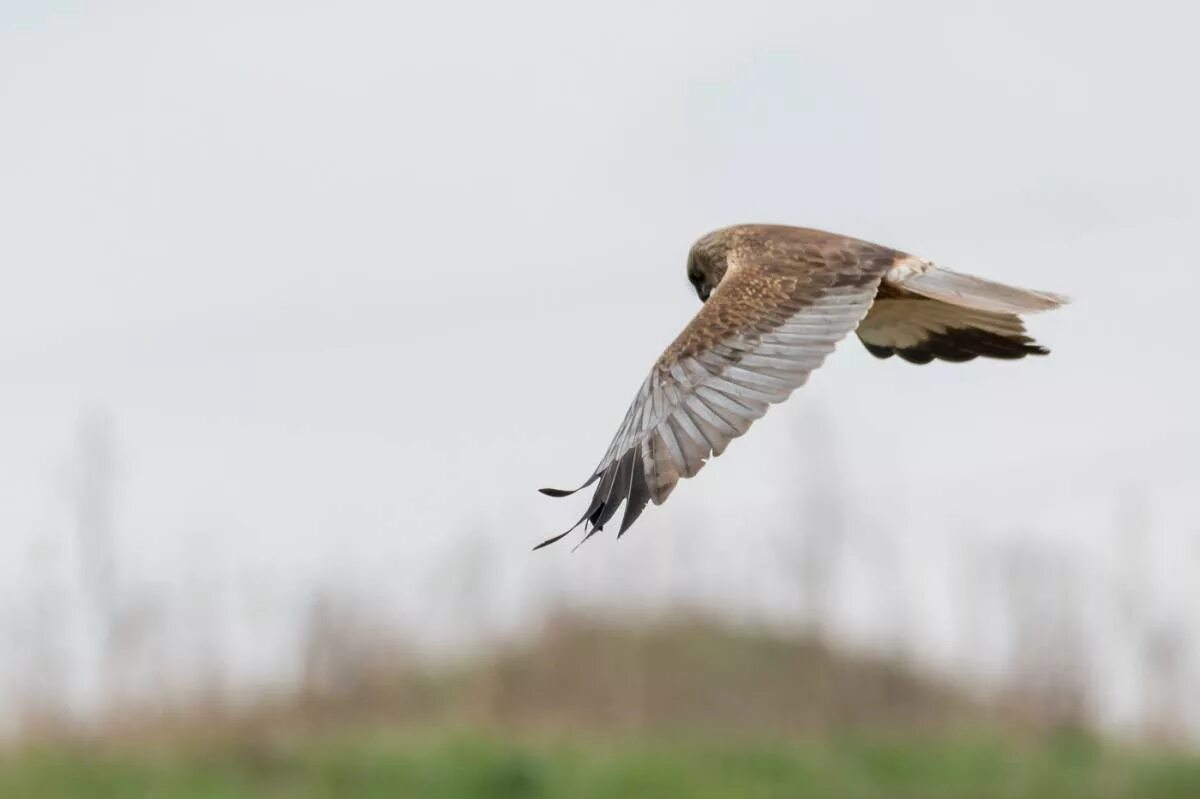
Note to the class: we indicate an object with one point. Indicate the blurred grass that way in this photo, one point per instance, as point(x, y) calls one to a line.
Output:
point(448, 765)
point(682, 708)
point(589, 675)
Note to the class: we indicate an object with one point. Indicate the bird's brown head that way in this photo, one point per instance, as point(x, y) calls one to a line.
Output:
point(706, 265)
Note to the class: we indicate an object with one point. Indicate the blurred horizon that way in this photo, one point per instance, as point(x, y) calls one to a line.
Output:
point(302, 303)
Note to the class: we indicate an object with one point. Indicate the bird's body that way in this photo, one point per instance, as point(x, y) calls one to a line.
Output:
point(776, 301)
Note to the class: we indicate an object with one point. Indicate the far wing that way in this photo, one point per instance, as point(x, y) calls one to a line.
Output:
point(924, 311)
point(920, 330)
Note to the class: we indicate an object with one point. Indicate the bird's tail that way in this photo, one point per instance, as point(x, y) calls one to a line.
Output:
point(923, 278)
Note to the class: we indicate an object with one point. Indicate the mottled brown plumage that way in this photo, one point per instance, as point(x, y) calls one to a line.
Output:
point(777, 301)
point(773, 272)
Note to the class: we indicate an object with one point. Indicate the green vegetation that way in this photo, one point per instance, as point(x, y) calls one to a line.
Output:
point(450, 765)
point(669, 711)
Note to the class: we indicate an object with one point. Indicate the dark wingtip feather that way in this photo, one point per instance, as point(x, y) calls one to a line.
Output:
point(558, 537)
point(563, 492)
point(879, 351)
point(965, 344)
point(636, 501)
point(622, 481)
point(586, 536)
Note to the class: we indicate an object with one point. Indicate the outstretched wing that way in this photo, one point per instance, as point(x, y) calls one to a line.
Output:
point(787, 297)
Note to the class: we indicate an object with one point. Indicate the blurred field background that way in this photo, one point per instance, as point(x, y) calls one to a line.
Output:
point(682, 708)
point(300, 303)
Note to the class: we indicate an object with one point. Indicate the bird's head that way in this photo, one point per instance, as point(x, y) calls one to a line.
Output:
point(706, 266)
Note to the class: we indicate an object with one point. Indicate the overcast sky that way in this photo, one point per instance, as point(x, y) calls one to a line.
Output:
point(351, 278)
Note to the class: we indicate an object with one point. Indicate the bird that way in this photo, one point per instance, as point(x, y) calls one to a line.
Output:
point(775, 301)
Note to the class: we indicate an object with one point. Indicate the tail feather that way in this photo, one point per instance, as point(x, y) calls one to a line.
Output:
point(923, 278)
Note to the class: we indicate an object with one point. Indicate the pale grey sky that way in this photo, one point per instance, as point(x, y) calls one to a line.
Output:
point(352, 277)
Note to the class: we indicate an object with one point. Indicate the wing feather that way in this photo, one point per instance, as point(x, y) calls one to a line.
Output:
point(920, 329)
point(788, 296)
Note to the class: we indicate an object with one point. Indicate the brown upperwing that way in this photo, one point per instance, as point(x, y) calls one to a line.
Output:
point(787, 297)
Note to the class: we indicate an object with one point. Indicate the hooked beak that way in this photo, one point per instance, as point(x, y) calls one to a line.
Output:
point(704, 291)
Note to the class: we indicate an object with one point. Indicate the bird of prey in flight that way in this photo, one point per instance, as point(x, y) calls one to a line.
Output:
point(776, 301)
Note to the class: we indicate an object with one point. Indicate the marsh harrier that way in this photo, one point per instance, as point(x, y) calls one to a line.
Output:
point(776, 301)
